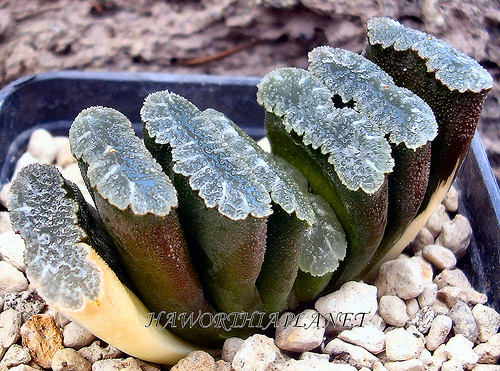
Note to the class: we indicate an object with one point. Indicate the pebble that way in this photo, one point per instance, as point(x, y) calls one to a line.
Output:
point(378, 322)
point(12, 250)
point(489, 352)
point(5, 225)
point(231, 346)
point(4, 191)
point(25, 160)
point(408, 365)
point(94, 352)
point(194, 361)
point(459, 349)
point(452, 277)
point(439, 256)
point(423, 238)
point(401, 345)
point(43, 339)
point(258, 352)
point(452, 295)
point(450, 201)
point(412, 306)
point(426, 270)
point(312, 355)
point(439, 307)
point(464, 322)
point(357, 356)
point(10, 326)
point(128, 364)
point(368, 337)
point(11, 279)
point(436, 221)
point(305, 332)
point(401, 277)
point(393, 310)
point(42, 146)
point(428, 295)
point(352, 305)
point(486, 368)
point(440, 328)
point(422, 320)
point(456, 235)
point(69, 359)
point(64, 156)
point(220, 365)
point(28, 303)
point(452, 365)
point(24, 368)
point(315, 364)
point(487, 320)
point(15, 356)
point(76, 336)
point(60, 319)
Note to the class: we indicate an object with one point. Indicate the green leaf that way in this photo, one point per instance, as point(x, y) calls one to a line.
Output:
point(69, 256)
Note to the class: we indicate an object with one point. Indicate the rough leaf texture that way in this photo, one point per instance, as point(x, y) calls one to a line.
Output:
point(397, 111)
point(45, 215)
point(223, 164)
point(355, 147)
point(120, 167)
point(453, 68)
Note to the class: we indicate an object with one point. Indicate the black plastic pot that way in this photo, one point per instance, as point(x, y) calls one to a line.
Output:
point(52, 101)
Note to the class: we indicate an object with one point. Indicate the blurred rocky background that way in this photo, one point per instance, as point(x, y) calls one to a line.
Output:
point(231, 37)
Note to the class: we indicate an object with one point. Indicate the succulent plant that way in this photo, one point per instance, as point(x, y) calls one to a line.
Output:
point(198, 222)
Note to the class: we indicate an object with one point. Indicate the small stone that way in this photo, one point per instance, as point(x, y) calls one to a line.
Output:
point(450, 201)
point(408, 365)
point(422, 239)
point(393, 310)
point(146, 366)
point(358, 356)
point(352, 305)
point(11, 279)
point(400, 345)
point(28, 303)
point(197, 360)
point(486, 368)
point(428, 295)
point(42, 146)
point(128, 364)
point(68, 359)
point(231, 346)
point(459, 349)
point(305, 332)
point(258, 353)
point(72, 173)
point(25, 160)
point(489, 352)
point(94, 352)
point(452, 365)
point(422, 320)
point(222, 365)
point(453, 295)
point(76, 336)
point(25, 368)
point(264, 144)
point(12, 250)
point(452, 277)
point(401, 277)
point(312, 355)
point(15, 356)
point(368, 337)
point(426, 270)
point(10, 325)
point(439, 256)
point(463, 321)
point(412, 306)
point(43, 339)
point(315, 364)
point(377, 322)
point(64, 156)
point(436, 221)
point(4, 191)
point(439, 307)
point(487, 320)
point(456, 235)
point(378, 366)
point(5, 225)
point(440, 328)
point(60, 319)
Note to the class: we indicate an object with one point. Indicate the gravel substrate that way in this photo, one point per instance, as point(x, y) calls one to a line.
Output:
point(420, 313)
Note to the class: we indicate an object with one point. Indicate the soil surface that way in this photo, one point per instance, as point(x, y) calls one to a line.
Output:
point(231, 37)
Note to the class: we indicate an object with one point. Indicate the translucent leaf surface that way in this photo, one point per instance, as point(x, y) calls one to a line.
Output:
point(453, 68)
point(355, 147)
point(397, 111)
point(227, 168)
point(46, 218)
point(120, 167)
point(325, 243)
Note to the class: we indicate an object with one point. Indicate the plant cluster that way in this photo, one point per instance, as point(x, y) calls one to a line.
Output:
point(197, 218)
